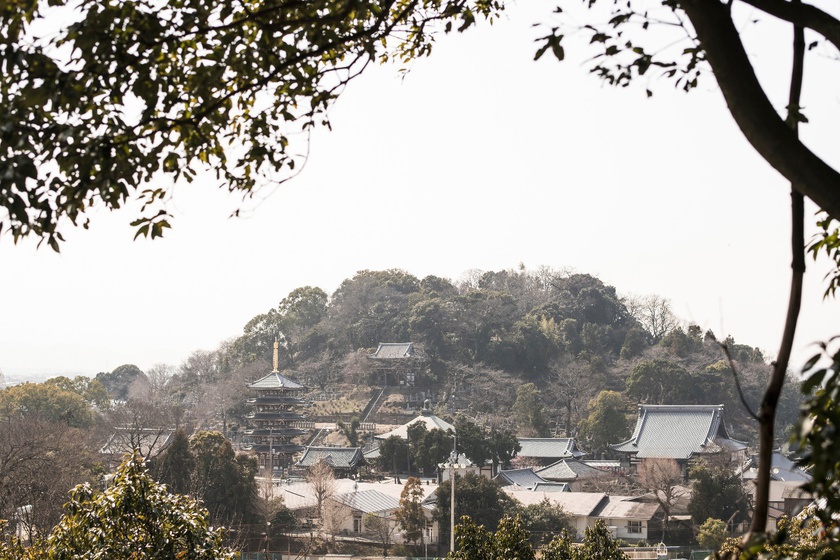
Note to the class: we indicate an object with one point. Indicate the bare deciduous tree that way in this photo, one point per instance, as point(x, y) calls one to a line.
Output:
point(138, 425)
point(322, 479)
point(663, 478)
point(654, 313)
point(40, 462)
point(382, 528)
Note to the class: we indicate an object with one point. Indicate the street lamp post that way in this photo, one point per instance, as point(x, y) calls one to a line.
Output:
point(453, 460)
point(453, 465)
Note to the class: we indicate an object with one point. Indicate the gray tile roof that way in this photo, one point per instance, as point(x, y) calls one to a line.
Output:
point(573, 503)
point(781, 468)
point(393, 351)
point(551, 487)
point(369, 501)
point(336, 457)
point(548, 448)
point(300, 494)
point(568, 470)
point(275, 380)
point(525, 478)
point(678, 432)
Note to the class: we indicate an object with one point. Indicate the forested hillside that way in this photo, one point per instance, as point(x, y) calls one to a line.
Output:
point(530, 350)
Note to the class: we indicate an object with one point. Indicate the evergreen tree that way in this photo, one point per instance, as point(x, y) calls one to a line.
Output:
point(175, 466)
point(135, 519)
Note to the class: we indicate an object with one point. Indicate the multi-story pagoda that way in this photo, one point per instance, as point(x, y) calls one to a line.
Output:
point(275, 420)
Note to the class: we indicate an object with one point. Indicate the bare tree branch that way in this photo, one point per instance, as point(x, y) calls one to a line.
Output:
point(752, 110)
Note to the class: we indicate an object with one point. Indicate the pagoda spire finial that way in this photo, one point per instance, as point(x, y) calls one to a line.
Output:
point(276, 355)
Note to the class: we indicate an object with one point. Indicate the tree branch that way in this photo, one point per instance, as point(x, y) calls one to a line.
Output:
point(752, 110)
point(803, 15)
point(767, 410)
point(743, 398)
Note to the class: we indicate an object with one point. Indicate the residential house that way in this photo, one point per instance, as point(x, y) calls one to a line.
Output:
point(786, 480)
point(626, 518)
point(348, 503)
point(358, 505)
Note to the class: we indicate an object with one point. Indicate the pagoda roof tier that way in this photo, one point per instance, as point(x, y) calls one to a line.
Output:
point(275, 380)
point(277, 448)
point(267, 399)
point(277, 432)
point(275, 415)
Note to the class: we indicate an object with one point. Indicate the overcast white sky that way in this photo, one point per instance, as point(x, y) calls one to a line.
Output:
point(479, 158)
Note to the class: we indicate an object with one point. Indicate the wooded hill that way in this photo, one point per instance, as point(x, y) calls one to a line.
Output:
point(481, 342)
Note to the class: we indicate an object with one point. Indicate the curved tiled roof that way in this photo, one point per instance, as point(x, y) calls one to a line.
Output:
point(678, 432)
point(393, 351)
point(548, 448)
point(275, 380)
point(569, 470)
point(525, 478)
point(337, 457)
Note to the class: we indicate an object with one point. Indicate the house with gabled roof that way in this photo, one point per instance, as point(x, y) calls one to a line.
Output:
point(344, 461)
point(626, 518)
point(679, 432)
point(351, 501)
point(395, 363)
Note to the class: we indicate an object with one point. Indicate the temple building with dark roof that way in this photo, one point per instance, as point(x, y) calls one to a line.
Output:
point(345, 461)
point(679, 432)
point(395, 363)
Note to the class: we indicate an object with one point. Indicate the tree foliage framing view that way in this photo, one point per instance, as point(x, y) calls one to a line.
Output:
point(125, 97)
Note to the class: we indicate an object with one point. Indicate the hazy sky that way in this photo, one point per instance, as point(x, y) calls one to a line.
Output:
point(478, 158)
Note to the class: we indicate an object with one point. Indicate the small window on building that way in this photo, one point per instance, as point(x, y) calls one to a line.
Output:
point(357, 524)
point(634, 526)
